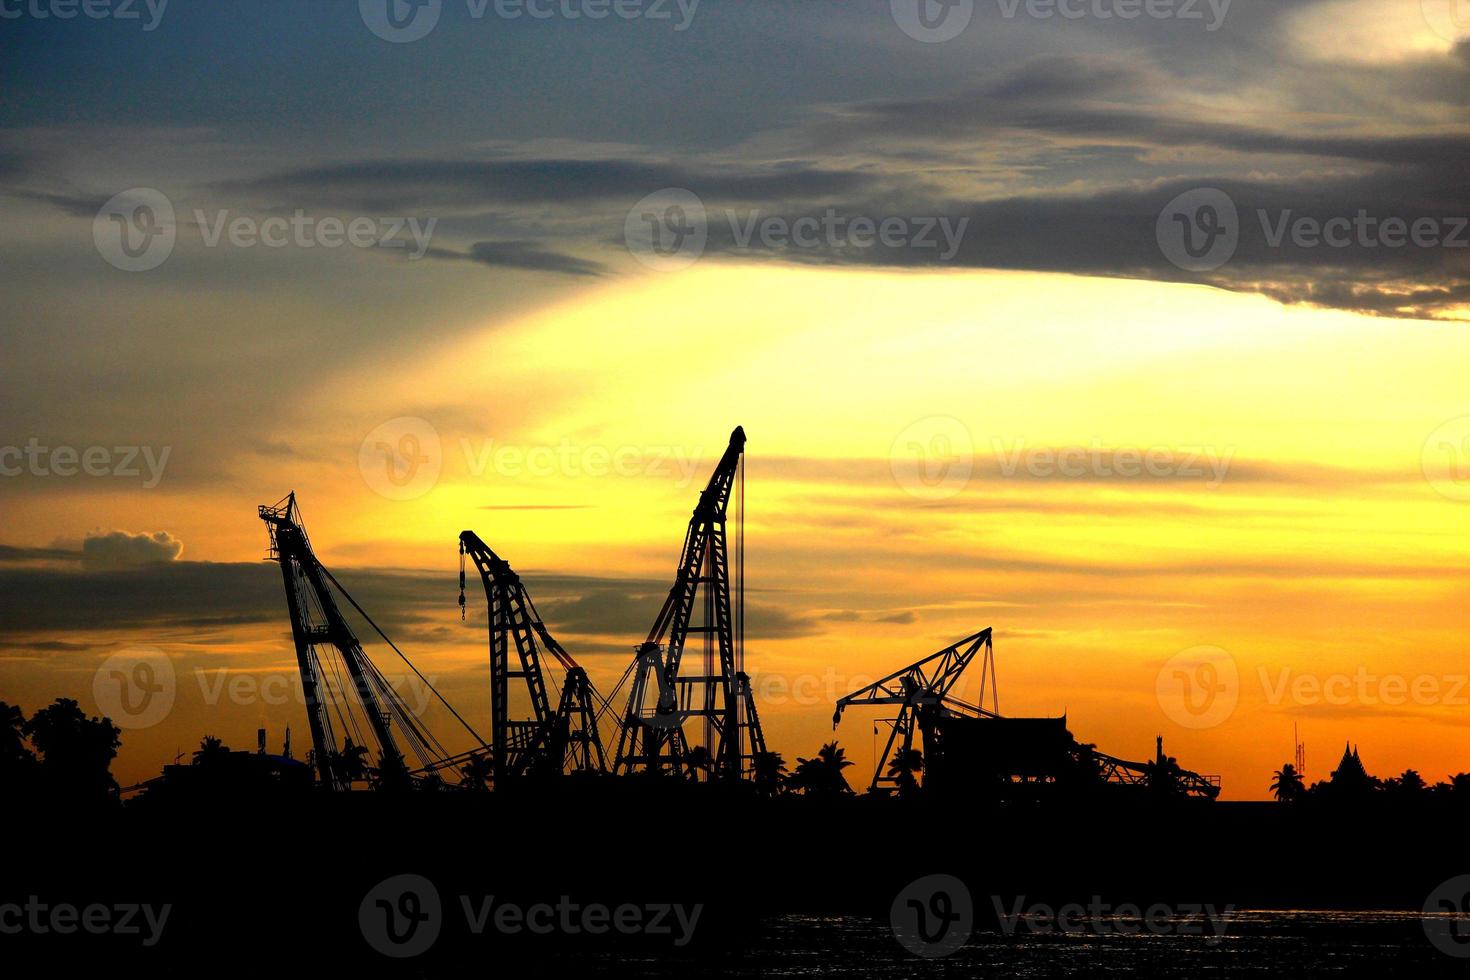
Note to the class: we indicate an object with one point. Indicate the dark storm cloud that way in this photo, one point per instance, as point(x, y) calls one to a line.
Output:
point(521, 255)
point(179, 595)
point(1095, 125)
point(1057, 155)
point(75, 205)
point(68, 598)
point(384, 186)
point(1113, 233)
point(10, 553)
point(614, 611)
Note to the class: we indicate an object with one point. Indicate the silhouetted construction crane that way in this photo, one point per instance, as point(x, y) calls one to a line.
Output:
point(550, 741)
point(344, 691)
point(662, 697)
point(968, 747)
point(926, 686)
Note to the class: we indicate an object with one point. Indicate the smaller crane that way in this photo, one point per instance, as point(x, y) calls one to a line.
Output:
point(922, 690)
point(551, 741)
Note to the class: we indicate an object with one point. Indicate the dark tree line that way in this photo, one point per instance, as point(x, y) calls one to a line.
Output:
point(58, 755)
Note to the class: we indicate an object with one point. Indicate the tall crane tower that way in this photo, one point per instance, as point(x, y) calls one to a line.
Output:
point(345, 692)
point(663, 698)
point(550, 741)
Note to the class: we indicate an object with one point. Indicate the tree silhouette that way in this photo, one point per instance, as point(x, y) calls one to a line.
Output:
point(906, 764)
point(1162, 777)
point(212, 750)
point(17, 761)
point(76, 752)
point(475, 774)
point(12, 734)
point(770, 773)
point(350, 764)
point(1288, 785)
point(822, 776)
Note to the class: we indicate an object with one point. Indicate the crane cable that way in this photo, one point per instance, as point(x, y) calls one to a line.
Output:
point(363, 612)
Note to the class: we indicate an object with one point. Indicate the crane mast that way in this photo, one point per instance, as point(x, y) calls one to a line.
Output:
point(323, 639)
point(662, 698)
point(552, 740)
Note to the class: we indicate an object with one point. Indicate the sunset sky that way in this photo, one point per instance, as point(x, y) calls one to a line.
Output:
point(1055, 430)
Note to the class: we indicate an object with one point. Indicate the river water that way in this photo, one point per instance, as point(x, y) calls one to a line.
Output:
point(1243, 943)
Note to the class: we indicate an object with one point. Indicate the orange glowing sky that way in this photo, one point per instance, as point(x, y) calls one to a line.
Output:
point(1319, 547)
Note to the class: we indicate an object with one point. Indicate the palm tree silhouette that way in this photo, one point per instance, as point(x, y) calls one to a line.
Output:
point(12, 738)
point(211, 750)
point(822, 776)
point(906, 763)
point(770, 772)
point(1162, 776)
point(350, 764)
point(1288, 785)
